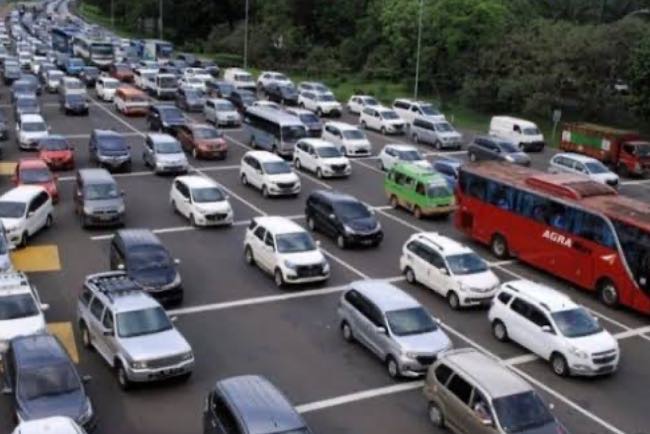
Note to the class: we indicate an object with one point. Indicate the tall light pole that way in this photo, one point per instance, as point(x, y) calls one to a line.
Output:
point(160, 19)
point(417, 56)
point(246, 36)
point(113, 14)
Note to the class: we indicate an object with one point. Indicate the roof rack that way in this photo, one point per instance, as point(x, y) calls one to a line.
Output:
point(113, 284)
point(11, 279)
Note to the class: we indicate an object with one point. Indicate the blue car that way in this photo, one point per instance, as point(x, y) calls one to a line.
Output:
point(448, 168)
point(73, 66)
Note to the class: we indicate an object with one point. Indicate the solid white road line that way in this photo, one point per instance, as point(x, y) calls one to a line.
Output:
point(367, 166)
point(636, 182)
point(87, 136)
point(174, 229)
point(150, 173)
point(640, 332)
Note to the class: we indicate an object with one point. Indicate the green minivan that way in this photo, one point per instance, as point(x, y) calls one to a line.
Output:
point(421, 190)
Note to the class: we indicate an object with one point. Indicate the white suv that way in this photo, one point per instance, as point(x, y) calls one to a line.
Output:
point(21, 307)
point(201, 200)
point(322, 158)
point(106, 88)
point(395, 154)
point(267, 77)
point(449, 268)
point(323, 104)
point(287, 251)
point(350, 140)
point(408, 110)
point(381, 119)
point(268, 173)
point(24, 211)
point(356, 103)
point(29, 130)
point(569, 162)
point(548, 323)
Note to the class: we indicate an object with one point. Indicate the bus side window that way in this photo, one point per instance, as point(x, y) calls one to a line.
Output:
point(591, 227)
point(499, 195)
point(533, 206)
point(419, 189)
point(476, 187)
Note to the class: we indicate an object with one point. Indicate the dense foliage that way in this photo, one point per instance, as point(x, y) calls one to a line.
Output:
point(527, 56)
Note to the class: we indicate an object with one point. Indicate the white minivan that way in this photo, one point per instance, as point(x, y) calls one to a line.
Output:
point(269, 173)
point(25, 210)
point(240, 78)
point(524, 133)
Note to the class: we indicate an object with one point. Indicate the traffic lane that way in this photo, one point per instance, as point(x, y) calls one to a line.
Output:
point(214, 270)
point(620, 398)
point(134, 124)
point(61, 123)
point(623, 317)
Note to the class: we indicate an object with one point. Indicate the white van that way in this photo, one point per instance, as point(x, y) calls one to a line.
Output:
point(520, 131)
point(240, 78)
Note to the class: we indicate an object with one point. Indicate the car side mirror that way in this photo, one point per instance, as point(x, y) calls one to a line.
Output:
point(108, 333)
point(382, 330)
point(444, 271)
point(30, 214)
point(86, 379)
point(173, 318)
point(45, 307)
point(331, 217)
point(548, 329)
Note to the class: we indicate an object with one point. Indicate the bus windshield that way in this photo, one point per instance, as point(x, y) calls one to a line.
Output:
point(101, 49)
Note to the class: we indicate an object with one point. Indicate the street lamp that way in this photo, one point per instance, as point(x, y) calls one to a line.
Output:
point(160, 19)
point(246, 36)
point(417, 56)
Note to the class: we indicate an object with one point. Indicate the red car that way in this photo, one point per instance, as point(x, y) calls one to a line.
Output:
point(122, 72)
point(57, 152)
point(33, 171)
point(202, 140)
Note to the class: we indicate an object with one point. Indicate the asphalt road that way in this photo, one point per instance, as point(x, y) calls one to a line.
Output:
point(291, 336)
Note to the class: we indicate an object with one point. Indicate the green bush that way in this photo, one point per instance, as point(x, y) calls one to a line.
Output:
point(228, 59)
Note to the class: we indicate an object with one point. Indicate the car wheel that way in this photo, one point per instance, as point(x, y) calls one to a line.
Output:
point(363, 125)
point(453, 300)
point(340, 241)
point(435, 415)
point(382, 167)
point(319, 112)
point(248, 256)
point(278, 278)
point(559, 365)
point(417, 212)
point(346, 332)
point(192, 221)
point(607, 293)
point(392, 367)
point(394, 203)
point(244, 180)
point(195, 153)
point(298, 164)
point(265, 191)
point(319, 173)
point(23, 239)
point(382, 130)
point(499, 331)
point(499, 247)
point(49, 221)
point(86, 339)
point(311, 224)
point(438, 145)
point(410, 276)
point(122, 378)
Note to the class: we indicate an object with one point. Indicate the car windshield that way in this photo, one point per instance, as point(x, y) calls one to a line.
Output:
point(521, 412)
point(34, 127)
point(225, 107)
point(276, 167)
point(444, 127)
point(411, 321)
point(168, 147)
point(438, 190)
point(351, 210)
point(328, 152)
point(54, 144)
point(101, 191)
point(17, 306)
point(207, 133)
point(369, 101)
point(466, 263)
point(24, 103)
point(207, 194)
point(596, 167)
point(91, 71)
point(35, 176)
point(149, 257)
point(55, 379)
point(411, 155)
point(309, 118)
point(294, 242)
point(110, 84)
point(113, 143)
point(292, 133)
point(12, 210)
point(142, 322)
point(429, 110)
point(171, 114)
point(531, 131)
point(390, 115)
point(574, 323)
point(193, 93)
point(508, 147)
point(353, 135)
point(74, 85)
point(75, 98)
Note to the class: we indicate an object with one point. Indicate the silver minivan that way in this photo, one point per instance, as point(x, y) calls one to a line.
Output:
point(439, 133)
point(393, 325)
point(469, 392)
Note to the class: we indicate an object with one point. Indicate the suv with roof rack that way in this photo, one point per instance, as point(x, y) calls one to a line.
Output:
point(548, 323)
point(449, 268)
point(21, 310)
point(131, 331)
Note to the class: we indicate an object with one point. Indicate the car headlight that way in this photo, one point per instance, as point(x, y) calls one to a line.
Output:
point(88, 210)
point(510, 159)
point(326, 267)
point(411, 354)
point(187, 356)
point(121, 208)
point(581, 354)
point(289, 264)
point(139, 365)
point(348, 229)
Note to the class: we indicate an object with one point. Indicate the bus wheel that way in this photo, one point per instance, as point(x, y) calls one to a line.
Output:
point(417, 212)
point(499, 247)
point(394, 202)
point(608, 293)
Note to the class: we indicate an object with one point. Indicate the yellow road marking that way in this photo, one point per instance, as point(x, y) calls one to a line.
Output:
point(63, 331)
point(36, 258)
point(7, 167)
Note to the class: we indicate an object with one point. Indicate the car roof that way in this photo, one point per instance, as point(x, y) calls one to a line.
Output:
point(264, 156)
point(161, 137)
point(401, 147)
point(96, 174)
point(496, 379)
point(342, 125)
point(297, 111)
point(446, 246)
point(545, 296)
point(197, 181)
point(53, 424)
point(278, 225)
point(31, 118)
point(411, 101)
point(362, 96)
point(522, 122)
point(384, 295)
point(220, 101)
point(22, 193)
point(120, 291)
point(318, 143)
point(574, 156)
point(38, 350)
point(138, 236)
point(420, 173)
point(31, 162)
point(14, 282)
point(259, 404)
point(335, 196)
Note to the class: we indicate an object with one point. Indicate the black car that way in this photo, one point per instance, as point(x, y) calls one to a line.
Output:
point(88, 75)
point(165, 117)
point(190, 99)
point(43, 381)
point(4, 131)
point(242, 99)
point(26, 104)
point(147, 261)
point(109, 149)
point(344, 218)
point(219, 88)
point(496, 149)
point(73, 103)
point(190, 59)
point(282, 93)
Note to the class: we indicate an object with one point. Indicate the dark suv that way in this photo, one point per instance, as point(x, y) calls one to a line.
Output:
point(496, 149)
point(242, 99)
point(43, 381)
point(73, 103)
point(109, 149)
point(147, 261)
point(282, 93)
point(344, 218)
point(165, 117)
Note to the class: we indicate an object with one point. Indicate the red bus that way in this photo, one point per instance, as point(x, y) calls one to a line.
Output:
point(574, 228)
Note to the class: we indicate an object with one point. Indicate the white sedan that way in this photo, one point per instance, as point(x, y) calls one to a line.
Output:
point(202, 201)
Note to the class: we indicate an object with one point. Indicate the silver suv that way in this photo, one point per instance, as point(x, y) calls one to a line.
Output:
point(393, 325)
point(131, 331)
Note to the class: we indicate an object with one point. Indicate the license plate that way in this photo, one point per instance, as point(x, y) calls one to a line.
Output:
point(366, 242)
